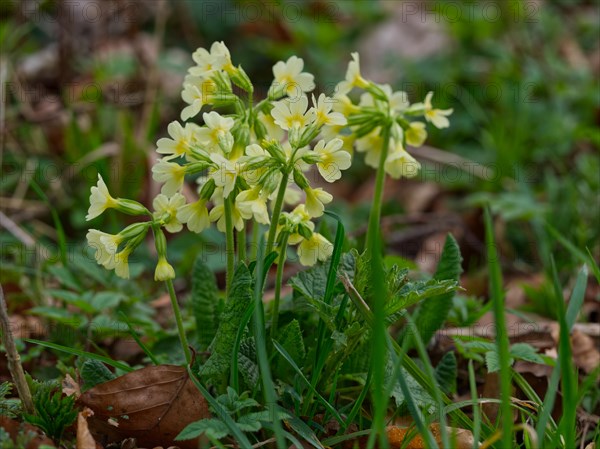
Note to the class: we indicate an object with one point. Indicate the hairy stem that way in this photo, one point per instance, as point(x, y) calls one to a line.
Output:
point(179, 321)
point(375, 215)
point(241, 245)
point(13, 357)
point(229, 243)
point(278, 282)
point(277, 212)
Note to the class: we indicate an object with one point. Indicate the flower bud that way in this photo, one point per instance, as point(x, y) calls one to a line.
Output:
point(164, 271)
point(131, 207)
point(160, 242)
point(241, 79)
point(134, 230)
point(300, 179)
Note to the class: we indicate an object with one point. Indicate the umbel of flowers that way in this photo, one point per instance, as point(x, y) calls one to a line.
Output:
point(251, 163)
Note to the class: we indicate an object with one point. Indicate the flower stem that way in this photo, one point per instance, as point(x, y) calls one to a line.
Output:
point(278, 282)
point(229, 243)
point(241, 245)
point(255, 238)
point(178, 320)
point(277, 212)
point(375, 215)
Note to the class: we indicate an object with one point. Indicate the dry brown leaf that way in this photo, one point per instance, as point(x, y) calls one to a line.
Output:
point(152, 405)
point(85, 440)
point(70, 387)
point(12, 427)
point(585, 351)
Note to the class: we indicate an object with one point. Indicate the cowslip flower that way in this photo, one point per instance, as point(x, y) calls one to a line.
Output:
point(180, 143)
point(216, 133)
point(194, 215)
point(197, 92)
point(217, 214)
point(165, 209)
point(313, 249)
point(353, 77)
point(164, 270)
point(100, 200)
point(371, 146)
point(290, 79)
point(298, 217)
point(292, 115)
point(399, 163)
point(333, 159)
point(416, 134)
point(170, 174)
point(315, 200)
point(323, 112)
point(436, 116)
point(204, 62)
point(224, 173)
point(338, 132)
point(221, 57)
point(104, 254)
point(273, 130)
point(253, 203)
point(121, 262)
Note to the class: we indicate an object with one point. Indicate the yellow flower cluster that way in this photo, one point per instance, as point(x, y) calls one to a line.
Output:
point(378, 107)
point(253, 161)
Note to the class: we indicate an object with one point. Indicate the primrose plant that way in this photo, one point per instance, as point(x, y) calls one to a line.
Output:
point(253, 164)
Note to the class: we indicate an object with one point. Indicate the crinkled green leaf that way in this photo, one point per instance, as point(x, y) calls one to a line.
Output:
point(211, 427)
point(446, 372)
point(204, 300)
point(94, 372)
point(216, 368)
point(431, 314)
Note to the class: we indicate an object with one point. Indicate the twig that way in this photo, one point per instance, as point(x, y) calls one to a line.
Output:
point(14, 229)
point(14, 360)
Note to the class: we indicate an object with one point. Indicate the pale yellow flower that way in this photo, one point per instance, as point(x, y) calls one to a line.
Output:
point(164, 270)
point(436, 116)
point(104, 254)
point(165, 209)
point(333, 159)
point(399, 163)
point(292, 114)
point(197, 91)
point(100, 200)
point(315, 200)
point(273, 131)
point(170, 174)
point(122, 263)
point(337, 132)
point(204, 62)
point(313, 249)
point(253, 203)
point(416, 134)
point(221, 57)
point(353, 77)
point(194, 215)
point(296, 217)
point(224, 173)
point(179, 144)
point(216, 133)
point(217, 214)
point(371, 145)
point(322, 110)
point(290, 79)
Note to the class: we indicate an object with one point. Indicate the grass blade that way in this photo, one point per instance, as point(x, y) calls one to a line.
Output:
point(80, 353)
point(261, 346)
point(567, 423)
point(502, 344)
point(137, 339)
point(239, 436)
point(331, 409)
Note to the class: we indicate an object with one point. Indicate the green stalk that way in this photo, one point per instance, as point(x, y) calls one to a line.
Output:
point(278, 282)
point(179, 321)
point(255, 238)
point(229, 243)
point(241, 245)
point(497, 297)
point(277, 212)
point(375, 215)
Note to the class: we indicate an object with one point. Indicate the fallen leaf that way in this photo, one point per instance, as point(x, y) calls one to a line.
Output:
point(152, 405)
point(70, 387)
point(85, 440)
point(13, 427)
